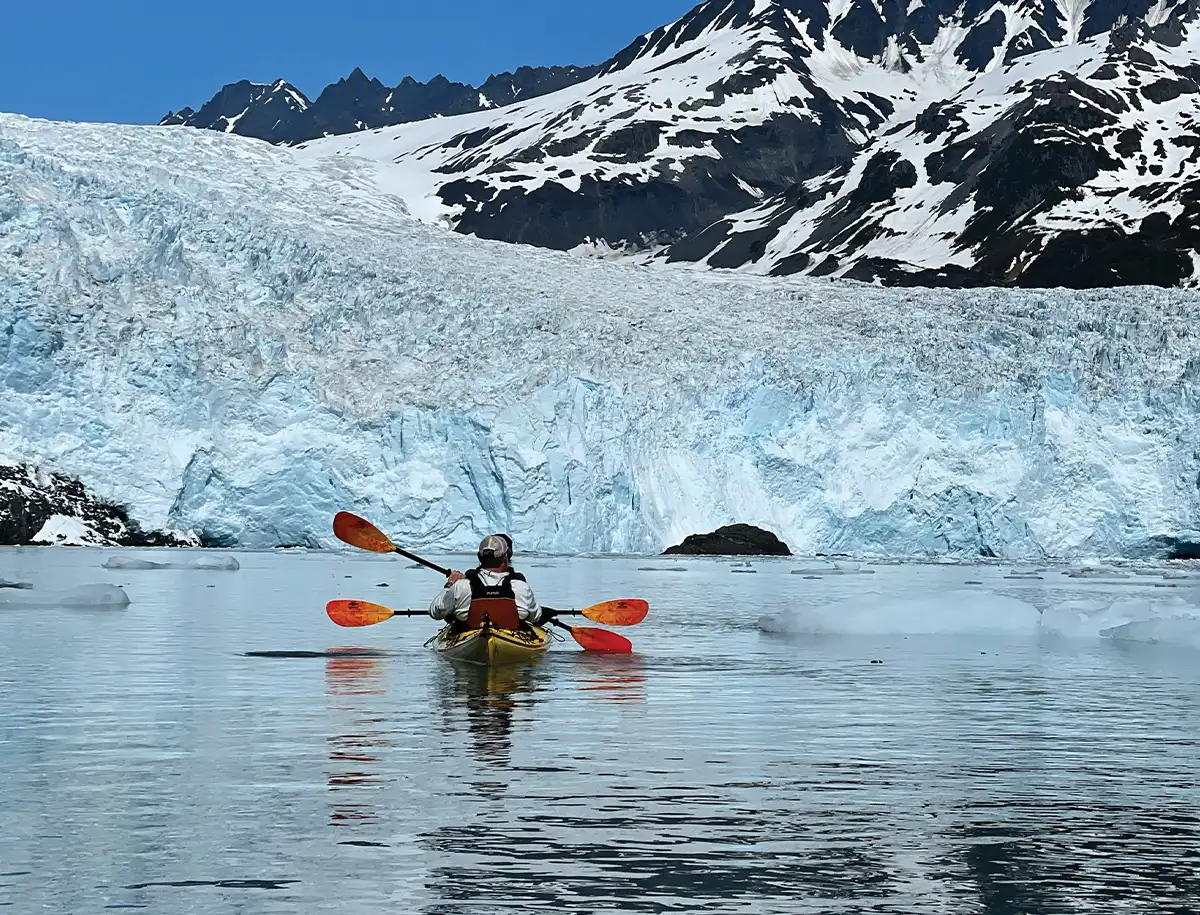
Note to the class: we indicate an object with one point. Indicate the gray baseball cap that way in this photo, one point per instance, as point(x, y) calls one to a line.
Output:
point(493, 547)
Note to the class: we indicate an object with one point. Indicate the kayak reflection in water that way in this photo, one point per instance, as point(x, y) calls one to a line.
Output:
point(493, 588)
point(489, 700)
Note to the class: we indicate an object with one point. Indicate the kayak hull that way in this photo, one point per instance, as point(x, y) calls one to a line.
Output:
point(491, 646)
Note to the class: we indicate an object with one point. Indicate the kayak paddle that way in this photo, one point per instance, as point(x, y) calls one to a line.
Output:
point(364, 613)
point(351, 613)
point(361, 533)
point(591, 639)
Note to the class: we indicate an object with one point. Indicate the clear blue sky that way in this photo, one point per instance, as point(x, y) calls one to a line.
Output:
point(133, 60)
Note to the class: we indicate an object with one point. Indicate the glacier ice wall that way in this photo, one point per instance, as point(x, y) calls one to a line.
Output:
point(237, 341)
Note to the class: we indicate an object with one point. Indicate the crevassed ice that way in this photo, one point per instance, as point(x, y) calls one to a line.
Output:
point(232, 339)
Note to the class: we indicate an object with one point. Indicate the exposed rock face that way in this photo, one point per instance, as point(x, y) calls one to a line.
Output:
point(41, 507)
point(731, 540)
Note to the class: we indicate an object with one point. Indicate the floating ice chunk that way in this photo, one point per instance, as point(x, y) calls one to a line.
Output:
point(203, 563)
point(129, 563)
point(1175, 630)
point(63, 530)
point(1088, 572)
point(214, 564)
point(98, 597)
point(1126, 618)
point(955, 612)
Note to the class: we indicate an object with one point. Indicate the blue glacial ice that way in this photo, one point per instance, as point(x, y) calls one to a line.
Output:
point(234, 340)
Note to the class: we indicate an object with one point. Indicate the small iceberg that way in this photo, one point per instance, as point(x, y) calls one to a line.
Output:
point(948, 613)
point(85, 597)
point(194, 564)
point(1183, 629)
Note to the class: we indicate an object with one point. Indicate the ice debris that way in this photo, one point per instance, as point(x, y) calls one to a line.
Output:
point(96, 596)
point(202, 563)
point(873, 613)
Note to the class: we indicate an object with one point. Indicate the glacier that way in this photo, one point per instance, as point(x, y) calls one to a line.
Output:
point(238, 340)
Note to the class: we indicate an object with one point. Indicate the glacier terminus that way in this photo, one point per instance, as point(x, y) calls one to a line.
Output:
point(235, 340)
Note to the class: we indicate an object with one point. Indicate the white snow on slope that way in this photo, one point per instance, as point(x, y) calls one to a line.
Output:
point(61, 530)
point(672, 88)
point(922, 225)
point(227, 336)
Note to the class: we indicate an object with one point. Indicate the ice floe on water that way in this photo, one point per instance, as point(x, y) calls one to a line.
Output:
point(951, 613)
point(1173, 619)
point(1183, 629)
point(201, 563)
point(1134, 619)
point(94, 596)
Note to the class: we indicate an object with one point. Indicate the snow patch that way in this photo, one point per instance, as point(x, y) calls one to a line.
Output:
point(61, 530)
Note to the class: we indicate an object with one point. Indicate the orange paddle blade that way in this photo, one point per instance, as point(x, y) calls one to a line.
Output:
point(361, 533)
point(601, 640)
point(357, 612)
point(617, 612)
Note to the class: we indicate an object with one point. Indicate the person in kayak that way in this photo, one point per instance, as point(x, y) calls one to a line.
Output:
point(493, 581)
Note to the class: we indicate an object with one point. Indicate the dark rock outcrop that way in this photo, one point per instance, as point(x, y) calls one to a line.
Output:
point(1176, 548)
point(30, 497)
point(731, 540)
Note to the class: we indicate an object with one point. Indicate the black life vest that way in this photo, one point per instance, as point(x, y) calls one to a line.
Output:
point(495, 604)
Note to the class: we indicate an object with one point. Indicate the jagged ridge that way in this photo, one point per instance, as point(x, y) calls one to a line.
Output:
point(281, 113)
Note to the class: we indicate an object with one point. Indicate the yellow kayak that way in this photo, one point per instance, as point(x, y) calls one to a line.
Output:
point(491, 645)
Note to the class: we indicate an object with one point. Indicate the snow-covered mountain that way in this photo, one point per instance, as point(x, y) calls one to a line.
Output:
point(280, 113)
point(1076, 166)
point(240, 339)
point(915, 142)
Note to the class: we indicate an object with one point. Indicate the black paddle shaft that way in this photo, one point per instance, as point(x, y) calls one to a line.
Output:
point(425, 562)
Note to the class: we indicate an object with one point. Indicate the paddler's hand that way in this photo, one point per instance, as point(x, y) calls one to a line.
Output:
point(453, 577)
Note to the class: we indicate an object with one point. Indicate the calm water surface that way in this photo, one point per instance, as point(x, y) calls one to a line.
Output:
point(147, 761)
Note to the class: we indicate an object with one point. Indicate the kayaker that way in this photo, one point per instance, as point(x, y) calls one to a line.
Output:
point(493, 579)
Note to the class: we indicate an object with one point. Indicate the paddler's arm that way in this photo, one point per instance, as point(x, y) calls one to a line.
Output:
point(454, 596)
point(527, 605)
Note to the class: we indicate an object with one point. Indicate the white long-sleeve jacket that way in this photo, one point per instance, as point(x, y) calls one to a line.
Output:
point(456, 599)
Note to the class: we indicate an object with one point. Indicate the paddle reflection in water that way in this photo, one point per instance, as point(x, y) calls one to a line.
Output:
point(611, 677)
point(356, 686)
